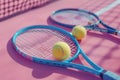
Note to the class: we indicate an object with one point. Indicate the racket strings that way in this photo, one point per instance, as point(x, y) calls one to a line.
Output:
point(31, 47)
point(74, 17)
point(39, 42)
point(26, 45)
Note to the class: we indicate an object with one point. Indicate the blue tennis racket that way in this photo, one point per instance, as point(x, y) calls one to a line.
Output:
point(71, 17)
point(35, 43)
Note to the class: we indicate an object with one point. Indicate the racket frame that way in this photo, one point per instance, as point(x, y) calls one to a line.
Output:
point(88, 27)
point(65, 63)
point(96, 70)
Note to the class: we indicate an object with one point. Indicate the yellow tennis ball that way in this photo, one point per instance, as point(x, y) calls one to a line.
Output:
point(61, 51)
point(79, 32)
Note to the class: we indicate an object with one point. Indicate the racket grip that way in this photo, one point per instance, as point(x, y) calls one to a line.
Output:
point(110, 76)
point(118, 33)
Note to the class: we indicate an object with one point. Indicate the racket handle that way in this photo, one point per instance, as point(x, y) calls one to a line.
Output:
point(118, 33)
point(110, 76)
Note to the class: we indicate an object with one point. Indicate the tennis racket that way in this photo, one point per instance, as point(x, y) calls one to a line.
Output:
point(35, 43)
point(71, 17)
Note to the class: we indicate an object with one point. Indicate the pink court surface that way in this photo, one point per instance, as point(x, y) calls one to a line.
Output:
point(102, 48)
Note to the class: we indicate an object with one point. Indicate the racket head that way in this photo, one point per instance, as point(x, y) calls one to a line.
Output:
point(35, 43)
point(70, 17)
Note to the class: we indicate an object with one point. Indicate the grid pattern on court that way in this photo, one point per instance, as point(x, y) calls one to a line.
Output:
point(10, 7)
point(112, 17)
point(94, 5)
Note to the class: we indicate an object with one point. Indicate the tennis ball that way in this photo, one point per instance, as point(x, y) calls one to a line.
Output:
point(79, 32)
point(61, 51)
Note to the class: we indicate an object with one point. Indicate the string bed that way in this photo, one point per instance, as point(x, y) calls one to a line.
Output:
point(74, 17)
point(39, 42)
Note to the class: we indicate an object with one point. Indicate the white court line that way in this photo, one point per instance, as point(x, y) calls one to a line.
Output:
point(107, 8)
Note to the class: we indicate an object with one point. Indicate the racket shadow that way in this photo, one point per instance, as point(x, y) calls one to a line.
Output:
point(40, 71)
point(113, 38)
point(109, 55)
